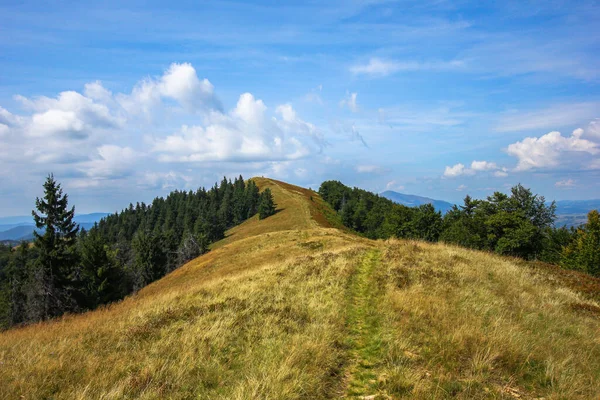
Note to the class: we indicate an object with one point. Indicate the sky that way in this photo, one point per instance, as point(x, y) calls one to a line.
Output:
point(126, 101)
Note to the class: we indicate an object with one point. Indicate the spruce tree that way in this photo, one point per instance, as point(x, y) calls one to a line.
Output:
point(266, 205)
point(57, 252)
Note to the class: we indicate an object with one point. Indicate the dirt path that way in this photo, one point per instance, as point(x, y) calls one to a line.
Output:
point(364, 338)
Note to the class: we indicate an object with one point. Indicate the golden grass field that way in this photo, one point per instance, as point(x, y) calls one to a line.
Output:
point(292, 307)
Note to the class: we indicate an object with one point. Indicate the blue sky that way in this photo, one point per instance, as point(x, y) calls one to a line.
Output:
point(124, 102)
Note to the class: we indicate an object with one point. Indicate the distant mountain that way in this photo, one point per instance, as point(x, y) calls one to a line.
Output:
point(22, 227)
point(576, 206)
point(5, 227)
point(574, 212)
point(22, 232)
point(28, 219)
point(411, 200)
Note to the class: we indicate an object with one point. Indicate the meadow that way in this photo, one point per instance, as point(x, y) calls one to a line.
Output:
point(296, 307)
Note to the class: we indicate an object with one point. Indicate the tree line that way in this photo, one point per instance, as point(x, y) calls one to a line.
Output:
point(519, 224)
point(66, 269)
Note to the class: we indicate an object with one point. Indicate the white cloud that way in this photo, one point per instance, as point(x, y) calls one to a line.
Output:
point(566, 183)
point(95, 138)
point(377, 67)
point(461, 188)
point(476, 166)
point(95, 91)
point(180, 83)
point(483, 166)
point(553, 150)
point(245, 134)
point(70, 115)
point(111, 162)
point(350, 102)
point(457, 170)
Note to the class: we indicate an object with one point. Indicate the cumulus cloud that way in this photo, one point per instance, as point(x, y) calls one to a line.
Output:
point(110, 162)
point(180, 83)
point(483, 166)
point(244, 134)
point(70, 115)
point(350, 102)
point(94, 137)
point(377, 67)
point(476, 166)
point(553, 150)
point(457, 170)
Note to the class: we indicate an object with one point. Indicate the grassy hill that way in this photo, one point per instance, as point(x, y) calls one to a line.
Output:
point(294, 307)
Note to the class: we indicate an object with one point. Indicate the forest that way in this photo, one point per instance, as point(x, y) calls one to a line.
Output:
point(519, 224)
point(67, 269)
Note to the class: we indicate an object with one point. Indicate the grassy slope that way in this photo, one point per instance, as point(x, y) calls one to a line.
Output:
point(290, 307)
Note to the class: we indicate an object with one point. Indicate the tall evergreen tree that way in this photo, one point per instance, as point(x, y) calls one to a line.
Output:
point(57, 251)
point(266, 205)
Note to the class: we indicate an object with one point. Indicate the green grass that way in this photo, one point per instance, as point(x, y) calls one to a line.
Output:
point(363, 324)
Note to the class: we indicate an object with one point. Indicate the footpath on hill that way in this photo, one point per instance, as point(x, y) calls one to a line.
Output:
point(364, 335)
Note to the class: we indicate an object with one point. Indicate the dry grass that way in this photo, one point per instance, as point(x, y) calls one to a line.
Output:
point(289, 307)
point(470, 325)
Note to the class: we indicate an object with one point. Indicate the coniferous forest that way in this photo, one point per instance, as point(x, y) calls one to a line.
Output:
point(520, 224)
point(67, 269)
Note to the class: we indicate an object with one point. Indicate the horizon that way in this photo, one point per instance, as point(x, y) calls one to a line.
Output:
point(380, 193)
point(127, 103)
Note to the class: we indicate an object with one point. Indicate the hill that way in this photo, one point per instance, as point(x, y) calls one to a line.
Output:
point(411, 200)
point(294, 307)
point(19, 232)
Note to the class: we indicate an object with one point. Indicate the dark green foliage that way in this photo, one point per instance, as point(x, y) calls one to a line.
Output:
point(67, 271)
point(266, 205)
point(520, 224)
point(377, 217)
point(583, 253)
point(57, 253)
point(100, 274)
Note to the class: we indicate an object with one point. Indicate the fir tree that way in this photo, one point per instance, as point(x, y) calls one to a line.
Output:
point(266, 205)
point(57, 249)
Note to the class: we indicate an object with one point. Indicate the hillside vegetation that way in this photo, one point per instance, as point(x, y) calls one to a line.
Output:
point(295, 307)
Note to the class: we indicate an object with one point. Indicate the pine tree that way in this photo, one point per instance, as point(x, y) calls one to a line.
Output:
point(266, 205)
point(57, 249)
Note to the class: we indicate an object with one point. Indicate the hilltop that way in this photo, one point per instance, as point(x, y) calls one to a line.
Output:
point(296, 306)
